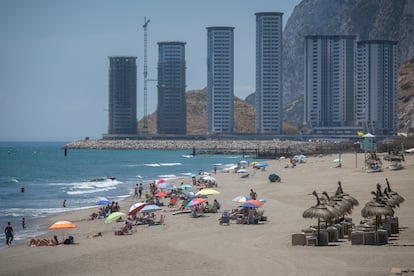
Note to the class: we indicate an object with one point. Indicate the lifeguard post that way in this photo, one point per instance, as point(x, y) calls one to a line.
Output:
point(369, 146)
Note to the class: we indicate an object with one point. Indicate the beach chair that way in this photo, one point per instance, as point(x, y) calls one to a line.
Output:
point(225, 218)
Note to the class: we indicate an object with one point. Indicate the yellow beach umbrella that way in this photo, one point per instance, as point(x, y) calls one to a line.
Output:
point(206, 192)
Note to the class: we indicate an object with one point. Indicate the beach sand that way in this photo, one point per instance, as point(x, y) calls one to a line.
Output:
point(200, 246)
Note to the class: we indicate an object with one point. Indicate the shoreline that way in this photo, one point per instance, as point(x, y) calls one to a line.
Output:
point(185, 246)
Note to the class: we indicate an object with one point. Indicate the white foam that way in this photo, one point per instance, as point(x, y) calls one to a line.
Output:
point(167, 176)
point(152, 165)
point(171, 164)
point(90, 191)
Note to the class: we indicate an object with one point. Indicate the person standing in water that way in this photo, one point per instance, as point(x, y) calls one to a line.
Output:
point(23, 223)
point(64, 203)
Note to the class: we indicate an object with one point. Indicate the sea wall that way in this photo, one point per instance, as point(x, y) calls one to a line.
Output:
point(258, 147)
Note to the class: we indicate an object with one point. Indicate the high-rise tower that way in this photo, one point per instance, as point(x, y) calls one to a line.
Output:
point(329, 82)
point(172, 110)
point(122, 98)
point(269, 89)
point(220, 79)
point(376, 86)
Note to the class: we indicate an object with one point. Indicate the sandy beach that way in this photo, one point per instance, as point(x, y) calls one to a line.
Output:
point(200, 246)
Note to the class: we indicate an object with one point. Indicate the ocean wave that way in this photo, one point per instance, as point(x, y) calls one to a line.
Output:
point(171, 164)
point(187, 174)
point(9, 180)
point(167, 176)
point(90, 191)
point(152, 165)
point(34, 212)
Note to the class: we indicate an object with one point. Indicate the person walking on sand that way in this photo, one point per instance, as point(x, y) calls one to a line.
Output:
point(136, 191)
point(253, 194)
point(140, 189)
point(8, 230)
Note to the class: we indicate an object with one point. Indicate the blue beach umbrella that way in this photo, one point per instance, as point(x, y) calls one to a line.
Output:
point(185, 187)
point(150, 208)
point(165, 185)
point(261, 165)
point(103, 201)
point(241, 199)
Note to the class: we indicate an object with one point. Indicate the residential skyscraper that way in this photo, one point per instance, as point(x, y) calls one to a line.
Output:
point(376, 86)
point(220, 79)
point(122, 98)
point(329, 82)
point(172, 110)
point(269, 89)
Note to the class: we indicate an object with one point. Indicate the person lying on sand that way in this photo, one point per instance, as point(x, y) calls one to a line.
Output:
point(94, 235)
point(44, 242)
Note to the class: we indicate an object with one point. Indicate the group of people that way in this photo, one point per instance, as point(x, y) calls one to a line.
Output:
point(138, 191)
point(103, 212)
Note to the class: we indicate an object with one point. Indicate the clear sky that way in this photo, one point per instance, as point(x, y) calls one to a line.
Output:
point(54, 56)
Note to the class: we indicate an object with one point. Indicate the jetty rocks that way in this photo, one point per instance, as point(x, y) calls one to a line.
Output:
point(277, 147)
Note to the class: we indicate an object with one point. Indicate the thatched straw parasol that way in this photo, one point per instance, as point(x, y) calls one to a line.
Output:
point(319, 211)
point(340, 204)
point(376, 208)
point(340, 191)
point(394, 195)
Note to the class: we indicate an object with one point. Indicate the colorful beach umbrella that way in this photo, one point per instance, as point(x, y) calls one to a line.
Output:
point(103, 201)
point(255, 202)
point(208, 178)
point(185, 187)
point(159, 181)
point(190, 195)
point(241, 199)
point(63, 224)
point(165, 185)
point(261, 165)
point(135, 208)
point(150, 208)
point(195, 201)
point(114, 216)
point(160, 194)
point(206, 192)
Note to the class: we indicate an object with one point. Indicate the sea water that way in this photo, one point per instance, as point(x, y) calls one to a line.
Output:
point(49, 177)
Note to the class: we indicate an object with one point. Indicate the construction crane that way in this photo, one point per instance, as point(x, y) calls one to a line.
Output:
point(146, 22)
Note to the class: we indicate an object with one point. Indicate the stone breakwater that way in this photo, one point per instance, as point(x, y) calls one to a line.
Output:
point(204, 146)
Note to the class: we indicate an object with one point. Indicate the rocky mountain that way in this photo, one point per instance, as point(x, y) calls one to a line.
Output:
point(244, 115)
point(406, 97)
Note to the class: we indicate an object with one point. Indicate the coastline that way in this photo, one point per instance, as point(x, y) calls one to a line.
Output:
point(185, 246)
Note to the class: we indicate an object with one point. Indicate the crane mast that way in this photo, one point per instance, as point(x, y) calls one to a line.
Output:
point(146, 22)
